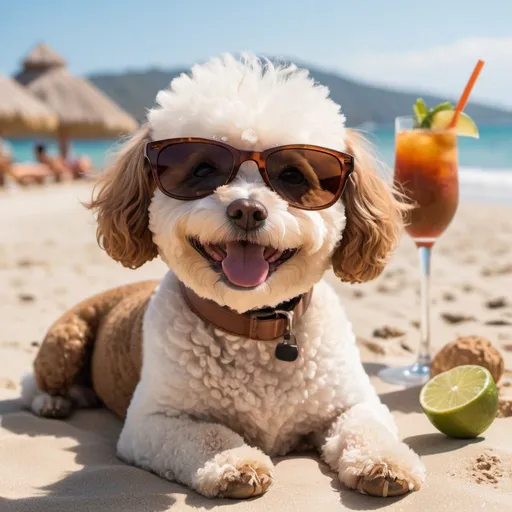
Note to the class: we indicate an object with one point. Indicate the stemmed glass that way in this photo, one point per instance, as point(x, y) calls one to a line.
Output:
point(426, 169)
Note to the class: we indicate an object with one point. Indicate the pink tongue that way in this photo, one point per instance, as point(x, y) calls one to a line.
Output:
point(244, 264)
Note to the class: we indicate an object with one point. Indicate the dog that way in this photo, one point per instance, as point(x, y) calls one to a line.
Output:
point(247, 184)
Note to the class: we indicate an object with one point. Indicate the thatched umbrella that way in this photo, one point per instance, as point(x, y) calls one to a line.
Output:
point(21, 113)
point(83, 110)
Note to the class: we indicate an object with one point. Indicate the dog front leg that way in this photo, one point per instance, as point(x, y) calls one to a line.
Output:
point(207, 457)
point(363, 448)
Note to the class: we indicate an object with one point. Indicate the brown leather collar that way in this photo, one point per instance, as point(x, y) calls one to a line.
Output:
point(261, 324)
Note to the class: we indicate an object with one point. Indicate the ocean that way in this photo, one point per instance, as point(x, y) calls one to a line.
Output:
point(485, 163)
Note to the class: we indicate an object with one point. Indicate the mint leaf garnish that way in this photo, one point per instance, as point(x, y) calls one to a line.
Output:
point(427, 121)
point(420, 110)
point(423, 116)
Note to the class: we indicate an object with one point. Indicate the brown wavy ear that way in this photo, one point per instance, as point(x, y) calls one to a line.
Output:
point(374, 214)
point(121, 203)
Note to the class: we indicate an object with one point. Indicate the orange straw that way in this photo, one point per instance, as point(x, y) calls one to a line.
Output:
point(465, 95)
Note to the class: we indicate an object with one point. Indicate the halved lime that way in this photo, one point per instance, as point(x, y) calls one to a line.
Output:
point(462, 402)
point(465, 127)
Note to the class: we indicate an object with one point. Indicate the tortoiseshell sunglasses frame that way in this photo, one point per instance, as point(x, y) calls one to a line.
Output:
point(153, 149)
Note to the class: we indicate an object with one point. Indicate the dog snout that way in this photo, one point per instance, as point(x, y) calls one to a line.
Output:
point(247, 213)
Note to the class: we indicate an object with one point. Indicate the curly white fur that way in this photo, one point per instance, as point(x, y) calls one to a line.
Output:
point(207, 399)
point(202, 389)
point(211, 408)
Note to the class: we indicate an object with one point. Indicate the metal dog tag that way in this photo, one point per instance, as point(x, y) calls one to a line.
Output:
point(287, 350)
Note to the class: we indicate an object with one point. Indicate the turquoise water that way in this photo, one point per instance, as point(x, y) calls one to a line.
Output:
point(485, 163)
point(97, 150)
point(492, 151)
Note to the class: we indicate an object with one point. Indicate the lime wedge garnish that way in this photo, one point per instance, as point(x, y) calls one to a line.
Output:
point(462, 402)
point(465, 127)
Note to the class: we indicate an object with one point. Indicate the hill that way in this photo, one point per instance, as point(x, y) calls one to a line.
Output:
point(361, 103)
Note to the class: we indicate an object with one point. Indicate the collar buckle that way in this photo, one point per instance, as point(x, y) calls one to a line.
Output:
point(289, 321)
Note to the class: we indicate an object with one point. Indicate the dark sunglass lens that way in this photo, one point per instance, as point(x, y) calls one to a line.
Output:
point(305, 177)
point(193, 169)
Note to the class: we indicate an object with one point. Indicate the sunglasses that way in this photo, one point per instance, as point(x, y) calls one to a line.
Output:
point(307, 177)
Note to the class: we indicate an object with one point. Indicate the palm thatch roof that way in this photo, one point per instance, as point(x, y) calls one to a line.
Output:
point(43, 57)
point(21, 113)
point(83, 110)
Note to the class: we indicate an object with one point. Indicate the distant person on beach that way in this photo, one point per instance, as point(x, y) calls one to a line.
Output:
point(78, 168)
point(23, 174)
point(56, 165)
point(46, 167)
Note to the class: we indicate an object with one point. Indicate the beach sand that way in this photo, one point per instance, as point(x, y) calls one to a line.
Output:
point(49, 260)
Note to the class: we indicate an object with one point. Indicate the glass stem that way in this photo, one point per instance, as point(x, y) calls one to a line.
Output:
point(424, 357)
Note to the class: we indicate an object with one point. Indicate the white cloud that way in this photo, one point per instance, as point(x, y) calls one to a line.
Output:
point(444, 69)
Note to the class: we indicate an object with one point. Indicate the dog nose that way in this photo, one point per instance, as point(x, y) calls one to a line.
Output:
point(247, 213)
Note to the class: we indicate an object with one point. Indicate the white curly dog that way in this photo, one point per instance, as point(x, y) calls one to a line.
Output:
point(212, 407)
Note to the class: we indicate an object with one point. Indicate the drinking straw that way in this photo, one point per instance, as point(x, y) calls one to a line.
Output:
point(465, 95)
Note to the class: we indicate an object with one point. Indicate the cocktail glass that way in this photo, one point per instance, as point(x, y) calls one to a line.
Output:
point(426, 169)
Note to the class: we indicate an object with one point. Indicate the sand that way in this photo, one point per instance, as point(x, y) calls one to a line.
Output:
point(49, 260)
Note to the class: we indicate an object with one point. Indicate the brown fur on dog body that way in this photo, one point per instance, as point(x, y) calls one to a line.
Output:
point(97, 343)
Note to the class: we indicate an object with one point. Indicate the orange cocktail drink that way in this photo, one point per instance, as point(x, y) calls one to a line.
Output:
point(426, 169)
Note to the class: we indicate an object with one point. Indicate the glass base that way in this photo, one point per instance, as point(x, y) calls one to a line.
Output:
point(412, 375)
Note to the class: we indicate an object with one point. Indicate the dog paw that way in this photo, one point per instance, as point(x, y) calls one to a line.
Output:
point(391, 472)
point(239, 473)
point(243, 482)
point(48, 406)
point(380, 481)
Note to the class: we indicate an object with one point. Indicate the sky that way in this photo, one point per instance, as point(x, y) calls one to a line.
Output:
point(427, 46)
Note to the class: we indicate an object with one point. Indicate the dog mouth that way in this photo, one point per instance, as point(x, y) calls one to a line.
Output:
point(243, 264)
